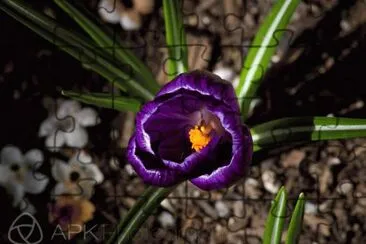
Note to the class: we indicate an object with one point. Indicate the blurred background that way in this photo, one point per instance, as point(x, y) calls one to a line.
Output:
point(317, 70)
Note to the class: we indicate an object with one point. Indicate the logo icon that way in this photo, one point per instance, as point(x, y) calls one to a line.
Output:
point(25, 229)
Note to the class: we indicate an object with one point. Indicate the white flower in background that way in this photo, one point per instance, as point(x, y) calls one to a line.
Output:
point(65, 124)
point(18, 173)
point(113, 11)
point(26, 206)
point(110, 10)
point(77, 177)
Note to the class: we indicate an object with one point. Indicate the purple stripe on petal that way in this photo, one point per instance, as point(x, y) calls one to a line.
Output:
point(143, 164)
point(143, 138)
point(230, 121)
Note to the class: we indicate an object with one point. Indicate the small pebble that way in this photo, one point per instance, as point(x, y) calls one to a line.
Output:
point(222, 209)
point(238, 208)
point(293, 159)
point(166, 219)
point(251, 182)
point(16, 95)
point(114, 134)
point(208, 209)
point(269, 181)
point(206, 20)
point(345, 25)
point(220, 234)
point(344, 188)
point(167, 205)
point(252, 188)
point(114, 163)
point(310, 208)
point(333, 161)
point(130, 171)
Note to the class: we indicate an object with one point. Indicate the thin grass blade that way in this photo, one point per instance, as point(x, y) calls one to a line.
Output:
point(295, 226)
point(123, 55)
point(276, 219)
point(89, 58)
point(175, 38)
point(262, 48)
point(119, 103)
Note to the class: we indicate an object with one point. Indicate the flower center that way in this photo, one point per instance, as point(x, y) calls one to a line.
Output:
point(66, 212)
point(74, 176)
point(199, 136)
point(15, 167)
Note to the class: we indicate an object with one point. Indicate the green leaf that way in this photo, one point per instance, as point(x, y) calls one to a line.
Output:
point(122, 54)
point(175, 38)
point(276, 219)
point(298, 129)
point(295, 225)
point(119, 103)
point(262, 48)
point(88, 57)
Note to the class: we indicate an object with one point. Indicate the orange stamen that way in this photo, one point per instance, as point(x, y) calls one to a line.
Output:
point(200, 136)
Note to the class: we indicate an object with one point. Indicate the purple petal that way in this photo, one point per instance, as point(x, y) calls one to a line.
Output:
point(205, 83)
point(231, 123)
point(157, 117)
point(147, 167)
point(175, 147)
point(160, 149)
point(160, 120)
point(237, 168)
point(143, 138)
point(195, 163)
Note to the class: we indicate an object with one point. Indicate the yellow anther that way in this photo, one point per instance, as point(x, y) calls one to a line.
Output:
point(199, 137)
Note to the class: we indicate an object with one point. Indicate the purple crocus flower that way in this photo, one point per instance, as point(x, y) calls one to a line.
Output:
point(191, 131)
